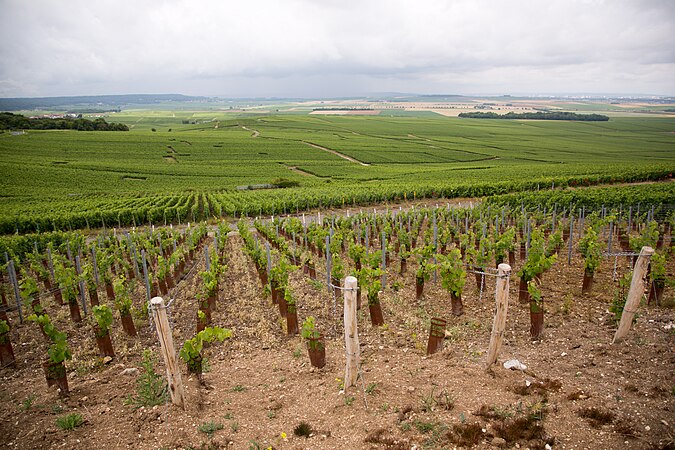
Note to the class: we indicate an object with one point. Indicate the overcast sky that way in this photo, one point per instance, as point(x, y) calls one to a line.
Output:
point(314, 48)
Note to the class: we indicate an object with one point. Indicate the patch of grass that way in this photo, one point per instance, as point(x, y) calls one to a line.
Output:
point(151, 388)
point(239, 388)
point(349, 400)
point(27, 403)
point(271, 414)
point(234, 427)
point(69, 422)
point(316, 284)
point(297, 353)
point(425, 427)
point(431, 402)
point(597, 417)
point(303, 429)
point(371, 388)
point(210, 427)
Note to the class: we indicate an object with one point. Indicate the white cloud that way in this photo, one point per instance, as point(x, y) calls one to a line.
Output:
point(275, 48)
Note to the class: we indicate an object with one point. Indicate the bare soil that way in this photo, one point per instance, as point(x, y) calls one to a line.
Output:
point(578, 391)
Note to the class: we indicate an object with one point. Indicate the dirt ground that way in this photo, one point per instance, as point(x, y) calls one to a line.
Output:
point(260, 386)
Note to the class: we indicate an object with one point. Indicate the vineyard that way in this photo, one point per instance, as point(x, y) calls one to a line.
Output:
point(211, 165)
point(256, 309)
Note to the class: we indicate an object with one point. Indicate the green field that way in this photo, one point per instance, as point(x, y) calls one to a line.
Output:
point(183, 171)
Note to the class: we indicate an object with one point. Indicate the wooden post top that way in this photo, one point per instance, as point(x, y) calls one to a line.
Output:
point(157, 301)
point(504, 267)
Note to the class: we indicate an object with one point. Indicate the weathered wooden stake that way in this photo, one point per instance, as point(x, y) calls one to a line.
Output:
point(571, 238)
point(168, 351)
point(351, 333)
point(502, 306)
point(269, 260)
point(145, 275)
point(637, 290)
point(384, 261)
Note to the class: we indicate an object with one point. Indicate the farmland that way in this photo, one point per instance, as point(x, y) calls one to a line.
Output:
point(249, 300)
point(189, 168)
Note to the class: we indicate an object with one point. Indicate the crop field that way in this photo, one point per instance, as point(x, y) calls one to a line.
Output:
point(249, 301)
point(190, 166)
point(262, 311)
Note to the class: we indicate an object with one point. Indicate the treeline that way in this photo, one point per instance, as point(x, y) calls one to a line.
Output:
point(539, 115)
point(9, 121)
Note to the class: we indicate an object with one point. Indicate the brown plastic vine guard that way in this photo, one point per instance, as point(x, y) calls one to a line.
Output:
point(436, 335)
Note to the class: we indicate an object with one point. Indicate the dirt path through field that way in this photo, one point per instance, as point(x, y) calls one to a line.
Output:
point(336, 153)
point(254, 134)
point(300, 171)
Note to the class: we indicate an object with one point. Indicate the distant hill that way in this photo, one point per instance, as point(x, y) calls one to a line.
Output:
point(92, 101)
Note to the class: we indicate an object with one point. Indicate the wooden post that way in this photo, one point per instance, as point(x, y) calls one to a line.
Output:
point(168, 351)
point(637, 290)
point(502, 306)
point(351, 333)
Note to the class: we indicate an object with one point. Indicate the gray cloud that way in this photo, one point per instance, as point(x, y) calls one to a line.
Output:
point(326, 48)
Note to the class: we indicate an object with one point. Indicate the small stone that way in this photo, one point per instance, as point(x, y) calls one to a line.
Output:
point(563, 354)
point(647, 428)
point(130, 371)
point(498, 442)
point(107, 360)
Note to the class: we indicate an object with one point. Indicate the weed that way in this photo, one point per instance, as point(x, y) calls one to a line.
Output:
point(297, 353)
point(228, 416)
point(466, 434)
point(566, 306)
point(577, 395)
point(234, 426)
point(57, 409)
point(151, 389)
point(397, 285)
point(206, 365)
point(425, 427)
point(625, 427)
point(405, 426)
point(316, 284)
point(349, 400)
point(69, 422)
point(210, 427)
point(238, 388)
point(27, 403)
point(443, 400)
point(597, 417)
point(271, 414)
point(371, 388)
point(383, 437)
point(403, 413)
point(303, 429)
point(515, 429)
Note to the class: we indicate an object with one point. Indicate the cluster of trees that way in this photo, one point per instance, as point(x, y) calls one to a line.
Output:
point(9, 121)
point(539, 115)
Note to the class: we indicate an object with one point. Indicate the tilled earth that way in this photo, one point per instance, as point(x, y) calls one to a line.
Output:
point(578, 391)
